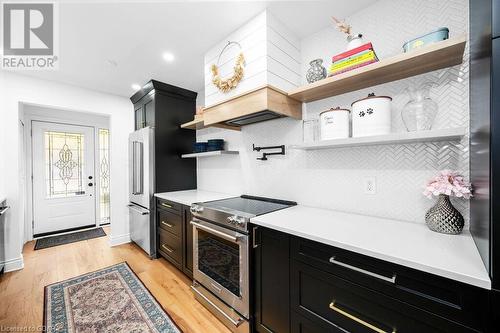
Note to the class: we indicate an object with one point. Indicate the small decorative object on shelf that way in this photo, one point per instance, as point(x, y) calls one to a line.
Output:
point(316, 72)
point(353, 40)
point(371, 116)
point(226, 85)
point(310, 130)
point(334, 124)
point(429, 38)
point(443, 217)
point(420, 111)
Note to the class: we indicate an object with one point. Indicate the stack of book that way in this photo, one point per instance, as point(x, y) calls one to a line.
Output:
point(361, 56)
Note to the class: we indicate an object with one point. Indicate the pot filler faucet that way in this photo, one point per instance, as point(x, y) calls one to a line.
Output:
point(265, 155)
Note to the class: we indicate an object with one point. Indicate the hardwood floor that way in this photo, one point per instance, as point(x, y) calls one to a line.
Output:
point(21, 292)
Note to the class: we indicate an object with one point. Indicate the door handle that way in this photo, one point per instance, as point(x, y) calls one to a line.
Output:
point(142, 212)
point(374, 328)
point(231, 238)
point(169, 250)
point(166, 224)
point(254, 243)
point(205, 298)
point(4, 209)
point(334, 261)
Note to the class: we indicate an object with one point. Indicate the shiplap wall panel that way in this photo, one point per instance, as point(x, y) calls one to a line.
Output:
point(271, 51)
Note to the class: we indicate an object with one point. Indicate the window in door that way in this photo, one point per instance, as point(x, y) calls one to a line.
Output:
point(64, 158)
point(104, 203)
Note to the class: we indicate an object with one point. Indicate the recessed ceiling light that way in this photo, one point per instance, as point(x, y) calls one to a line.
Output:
point(135, 86)
point(169, 57)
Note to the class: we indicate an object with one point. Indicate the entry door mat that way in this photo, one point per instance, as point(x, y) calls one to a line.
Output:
point(112, 299)
point(46, 242)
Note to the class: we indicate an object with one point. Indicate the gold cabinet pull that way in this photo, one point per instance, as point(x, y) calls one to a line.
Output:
point(165, 205)
point(169, 250)
point(356, 319)
point(167, 224)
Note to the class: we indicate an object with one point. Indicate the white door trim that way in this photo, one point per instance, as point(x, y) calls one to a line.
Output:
point(94, 120)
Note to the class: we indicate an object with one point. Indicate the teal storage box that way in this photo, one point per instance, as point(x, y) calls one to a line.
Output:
point(429, 38)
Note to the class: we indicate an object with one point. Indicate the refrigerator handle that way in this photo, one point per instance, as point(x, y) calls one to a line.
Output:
point(137, 168)
point(133, 168)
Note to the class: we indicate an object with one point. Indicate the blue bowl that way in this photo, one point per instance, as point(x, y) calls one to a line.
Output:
point(200, 147)
point(215, 144)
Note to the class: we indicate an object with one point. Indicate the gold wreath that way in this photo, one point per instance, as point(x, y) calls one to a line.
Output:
point(226, 85)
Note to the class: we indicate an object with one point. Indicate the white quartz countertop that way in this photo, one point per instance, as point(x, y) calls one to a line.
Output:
point(192, 196)
point(408, 244)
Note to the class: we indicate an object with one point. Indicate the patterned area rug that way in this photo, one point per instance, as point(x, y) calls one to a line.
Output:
point(46, 242)
point(112, 299)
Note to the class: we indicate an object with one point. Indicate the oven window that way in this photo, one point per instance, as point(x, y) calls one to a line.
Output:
point(220, 260)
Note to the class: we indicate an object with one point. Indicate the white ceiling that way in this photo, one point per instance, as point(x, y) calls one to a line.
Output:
point(109, 46)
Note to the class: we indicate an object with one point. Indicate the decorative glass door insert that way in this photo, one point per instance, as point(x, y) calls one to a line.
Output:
point(104, 175)
point(65, 162)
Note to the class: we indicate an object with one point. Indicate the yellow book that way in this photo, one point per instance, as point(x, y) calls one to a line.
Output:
point(354, 61)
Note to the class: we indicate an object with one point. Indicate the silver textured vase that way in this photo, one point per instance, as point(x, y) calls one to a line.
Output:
point(316, 72)
point(444, 218)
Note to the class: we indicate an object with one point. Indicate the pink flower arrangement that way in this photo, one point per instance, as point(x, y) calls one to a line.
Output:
point(448, 183)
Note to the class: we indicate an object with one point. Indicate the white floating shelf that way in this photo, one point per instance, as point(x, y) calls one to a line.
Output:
point(446, 134)
point(211, 153)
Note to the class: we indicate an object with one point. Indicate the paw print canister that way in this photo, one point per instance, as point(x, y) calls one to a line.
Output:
point(371, 116)
point(334, 124)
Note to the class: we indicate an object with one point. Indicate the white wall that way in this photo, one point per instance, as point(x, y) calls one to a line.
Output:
point(16, 89)
point(272, 56)
point(334, 179)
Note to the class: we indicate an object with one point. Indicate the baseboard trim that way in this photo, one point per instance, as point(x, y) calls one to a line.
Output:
point(119, 240)
point(14, 264)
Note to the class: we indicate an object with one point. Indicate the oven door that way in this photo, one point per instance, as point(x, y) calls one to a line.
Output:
point(220, 263)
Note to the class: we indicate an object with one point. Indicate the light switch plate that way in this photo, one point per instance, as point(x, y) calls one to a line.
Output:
point(370, 185)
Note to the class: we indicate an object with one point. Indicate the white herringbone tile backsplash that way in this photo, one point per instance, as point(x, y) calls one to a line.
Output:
point(334, 178)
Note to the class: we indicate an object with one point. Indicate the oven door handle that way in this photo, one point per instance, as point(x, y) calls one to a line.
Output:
point(233, 239)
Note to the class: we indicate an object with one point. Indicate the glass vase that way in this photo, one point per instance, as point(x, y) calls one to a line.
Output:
point(420, 111)
point(316, 72)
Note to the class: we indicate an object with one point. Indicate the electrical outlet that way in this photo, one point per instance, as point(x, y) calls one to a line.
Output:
point(370, 185)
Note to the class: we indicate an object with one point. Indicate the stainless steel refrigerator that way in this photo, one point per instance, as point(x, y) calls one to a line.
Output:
point(141, 185)
point(155, 150)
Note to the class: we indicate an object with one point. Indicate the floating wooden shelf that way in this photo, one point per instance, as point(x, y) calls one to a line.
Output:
point(198, 124)
point(439, 55)
point(211, 153)
point(446, 134)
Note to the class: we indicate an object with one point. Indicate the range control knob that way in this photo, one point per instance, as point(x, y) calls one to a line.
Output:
point(232, 219)
point(195, 209)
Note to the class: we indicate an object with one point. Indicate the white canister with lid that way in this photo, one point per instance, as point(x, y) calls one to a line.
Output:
point(334, 124)
point(371, 116)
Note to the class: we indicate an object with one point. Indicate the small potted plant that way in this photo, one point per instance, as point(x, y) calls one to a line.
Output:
point(443, 217)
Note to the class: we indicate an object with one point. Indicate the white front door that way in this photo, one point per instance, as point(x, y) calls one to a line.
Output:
point(63, 177)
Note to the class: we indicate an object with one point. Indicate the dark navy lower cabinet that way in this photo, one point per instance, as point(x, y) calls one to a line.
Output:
point(300, 287)
point(496, 18)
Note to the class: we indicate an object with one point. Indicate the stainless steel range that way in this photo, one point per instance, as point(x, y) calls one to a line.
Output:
point(221, 261)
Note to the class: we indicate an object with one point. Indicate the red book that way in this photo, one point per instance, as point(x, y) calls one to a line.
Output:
point(351, 52)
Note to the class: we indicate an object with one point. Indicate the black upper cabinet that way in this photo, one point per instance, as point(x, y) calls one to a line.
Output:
point(164, 107)
point(271, 276)
point(496, 18)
